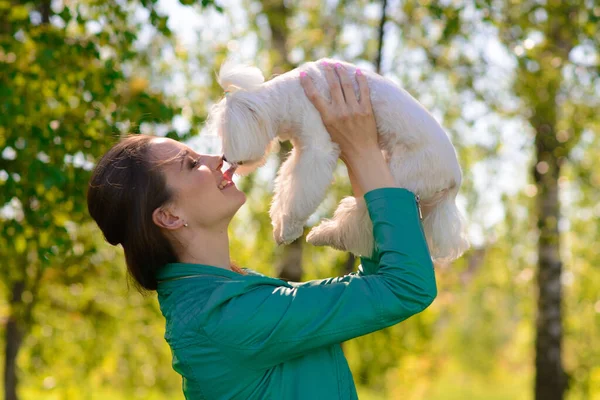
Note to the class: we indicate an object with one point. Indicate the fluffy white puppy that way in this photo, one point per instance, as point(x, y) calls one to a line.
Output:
point(254, 114)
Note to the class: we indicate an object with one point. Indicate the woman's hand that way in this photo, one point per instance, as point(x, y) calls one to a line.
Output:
point(351, 124)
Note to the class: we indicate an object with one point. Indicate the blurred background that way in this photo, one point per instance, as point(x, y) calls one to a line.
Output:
point(515, 83)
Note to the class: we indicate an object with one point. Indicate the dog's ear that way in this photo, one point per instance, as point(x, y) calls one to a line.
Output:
point(246, 128)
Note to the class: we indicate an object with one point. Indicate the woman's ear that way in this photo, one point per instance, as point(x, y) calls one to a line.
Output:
point(164, 218)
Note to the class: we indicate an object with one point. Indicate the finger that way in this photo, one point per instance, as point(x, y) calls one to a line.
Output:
point(347, 87)
point(337, 97)
point(311, 92)
point(363, 86)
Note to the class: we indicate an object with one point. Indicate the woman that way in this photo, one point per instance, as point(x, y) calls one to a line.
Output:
point(237, 334)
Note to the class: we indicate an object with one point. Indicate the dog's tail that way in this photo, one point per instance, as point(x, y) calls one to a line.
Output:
point(234, 77)
point(444, 226)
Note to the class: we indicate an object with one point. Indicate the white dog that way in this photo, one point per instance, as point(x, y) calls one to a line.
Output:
point(254, 114)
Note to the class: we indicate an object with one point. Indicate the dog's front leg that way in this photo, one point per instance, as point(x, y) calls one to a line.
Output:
point(300, 186)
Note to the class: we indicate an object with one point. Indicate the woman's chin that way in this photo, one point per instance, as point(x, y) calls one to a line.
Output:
point(239, 195)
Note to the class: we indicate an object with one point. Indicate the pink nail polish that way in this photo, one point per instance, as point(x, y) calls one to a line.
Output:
point(338, 65)
point(302, 74)
point(358, 71)
point(325, 64)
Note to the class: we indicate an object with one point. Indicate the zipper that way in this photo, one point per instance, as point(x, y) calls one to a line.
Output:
point(418, 199)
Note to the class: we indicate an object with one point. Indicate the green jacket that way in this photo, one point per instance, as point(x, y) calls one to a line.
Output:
point(250, 336)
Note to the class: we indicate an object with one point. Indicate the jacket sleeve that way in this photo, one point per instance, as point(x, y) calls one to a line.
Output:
point(367, 266)
point(269, 324)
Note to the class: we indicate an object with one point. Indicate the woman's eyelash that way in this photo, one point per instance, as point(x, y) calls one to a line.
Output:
point(195, 163)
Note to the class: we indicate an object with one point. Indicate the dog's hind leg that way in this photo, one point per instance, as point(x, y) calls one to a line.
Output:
point(300, 186)
point(350, 229)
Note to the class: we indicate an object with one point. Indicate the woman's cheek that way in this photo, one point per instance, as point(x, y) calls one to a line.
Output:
point(205, 180)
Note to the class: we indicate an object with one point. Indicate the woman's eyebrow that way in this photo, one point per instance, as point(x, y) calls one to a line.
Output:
point(183, 156)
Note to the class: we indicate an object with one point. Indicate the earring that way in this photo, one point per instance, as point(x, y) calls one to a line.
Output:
point(186, 225)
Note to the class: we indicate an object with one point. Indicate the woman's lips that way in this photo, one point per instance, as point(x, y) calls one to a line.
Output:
point(227, 177)
point(229, 173)
point(230, 183)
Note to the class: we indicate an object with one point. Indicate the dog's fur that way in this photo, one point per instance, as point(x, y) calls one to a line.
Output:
point(254, 114)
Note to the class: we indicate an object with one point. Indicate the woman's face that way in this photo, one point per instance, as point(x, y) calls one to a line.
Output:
point(196, 182)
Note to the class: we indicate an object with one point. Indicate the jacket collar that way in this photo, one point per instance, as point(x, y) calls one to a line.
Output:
point(181, 270)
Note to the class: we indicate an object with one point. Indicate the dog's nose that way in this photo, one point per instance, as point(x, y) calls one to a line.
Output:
point(231, 163)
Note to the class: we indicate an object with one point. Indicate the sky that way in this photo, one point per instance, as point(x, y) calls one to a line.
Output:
point(491, 179)
point(210, 26)
point(199, 33)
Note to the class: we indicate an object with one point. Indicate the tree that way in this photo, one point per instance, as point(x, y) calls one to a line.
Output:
point(279, 17)
point(277, 13)
point(465, 61)
point(64, 99)
point(541, 37)
point(558, 121)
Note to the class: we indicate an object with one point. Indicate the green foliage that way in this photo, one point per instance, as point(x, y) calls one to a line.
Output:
point(64, 99)
point(69, 89)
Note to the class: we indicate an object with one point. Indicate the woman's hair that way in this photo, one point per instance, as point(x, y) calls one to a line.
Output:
point(124, 190)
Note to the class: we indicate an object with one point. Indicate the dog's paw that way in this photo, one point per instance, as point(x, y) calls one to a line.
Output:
point(325, 235)
point(277, 232)
point(292, 232)
point(287, 230)
point(316, 238)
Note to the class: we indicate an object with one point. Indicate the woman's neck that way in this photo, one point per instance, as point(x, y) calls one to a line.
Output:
point(205, 247)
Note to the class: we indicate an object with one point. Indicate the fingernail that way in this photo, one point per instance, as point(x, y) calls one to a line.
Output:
point(338, 65)
point(325, 64)
point(302, 74)
point(358, 71)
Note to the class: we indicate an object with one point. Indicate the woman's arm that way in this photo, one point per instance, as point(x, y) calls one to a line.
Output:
point(351, 124)
point(264, 325)
point(267, 325)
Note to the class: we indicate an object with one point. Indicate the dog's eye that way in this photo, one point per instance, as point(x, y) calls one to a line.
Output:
point(240, 163)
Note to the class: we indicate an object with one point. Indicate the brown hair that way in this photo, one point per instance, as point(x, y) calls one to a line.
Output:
point(124, 190)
